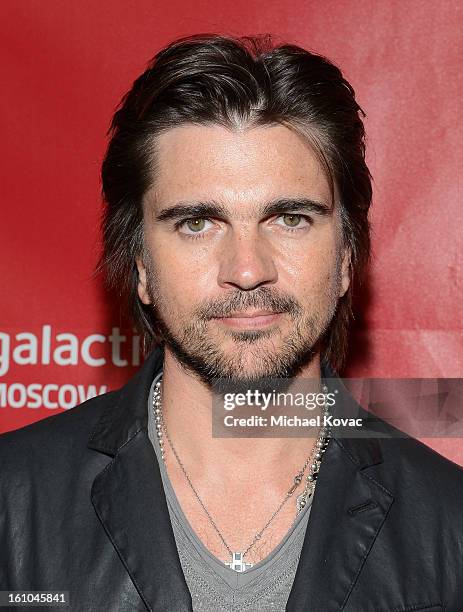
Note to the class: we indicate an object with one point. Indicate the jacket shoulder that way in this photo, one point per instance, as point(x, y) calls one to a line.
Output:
point(416, 454)
point(424, 474)
point(56, 435)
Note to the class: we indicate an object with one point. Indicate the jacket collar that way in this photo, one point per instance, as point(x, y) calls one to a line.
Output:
point(348, 509)
point(122, 420)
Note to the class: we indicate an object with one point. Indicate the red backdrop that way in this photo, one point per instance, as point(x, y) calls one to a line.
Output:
point(66, 65)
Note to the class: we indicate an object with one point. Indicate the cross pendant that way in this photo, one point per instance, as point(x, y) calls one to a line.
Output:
point(237, 563)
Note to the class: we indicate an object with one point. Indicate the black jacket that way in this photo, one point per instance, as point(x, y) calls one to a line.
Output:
point(82, 509)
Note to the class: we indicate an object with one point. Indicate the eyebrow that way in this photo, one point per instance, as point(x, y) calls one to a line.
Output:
point(184, 210)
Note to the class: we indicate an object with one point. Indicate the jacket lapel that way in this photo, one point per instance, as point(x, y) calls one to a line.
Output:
point(348, 511)
point(129, 498)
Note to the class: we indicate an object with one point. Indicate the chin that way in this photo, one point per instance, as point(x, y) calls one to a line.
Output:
point(244, 357)
point(250, 379)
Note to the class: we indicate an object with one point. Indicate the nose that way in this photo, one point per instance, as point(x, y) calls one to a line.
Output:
point(246, 262)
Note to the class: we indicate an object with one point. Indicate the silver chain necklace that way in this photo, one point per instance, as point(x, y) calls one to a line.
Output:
point(237, 562)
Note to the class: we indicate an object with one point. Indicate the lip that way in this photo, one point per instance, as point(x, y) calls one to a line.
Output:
point(250, 319)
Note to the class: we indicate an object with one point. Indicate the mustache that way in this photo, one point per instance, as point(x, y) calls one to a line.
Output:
point(262, 298)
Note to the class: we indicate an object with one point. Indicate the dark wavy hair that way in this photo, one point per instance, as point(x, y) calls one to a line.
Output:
point(233, 82)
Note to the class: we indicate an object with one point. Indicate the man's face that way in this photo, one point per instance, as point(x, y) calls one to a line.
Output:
point(243, 262)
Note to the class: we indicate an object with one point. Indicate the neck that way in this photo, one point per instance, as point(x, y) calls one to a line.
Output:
point(187, 411)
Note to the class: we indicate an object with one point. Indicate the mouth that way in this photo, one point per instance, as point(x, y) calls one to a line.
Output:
point(250, 319)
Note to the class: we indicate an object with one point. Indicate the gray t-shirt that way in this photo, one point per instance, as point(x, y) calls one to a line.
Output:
point(214, 587)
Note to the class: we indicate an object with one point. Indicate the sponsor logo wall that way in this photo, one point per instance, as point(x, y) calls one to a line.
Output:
point(48, 370)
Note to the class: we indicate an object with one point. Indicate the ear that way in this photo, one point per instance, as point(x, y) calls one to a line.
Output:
point(142, 286)
point(345, 271)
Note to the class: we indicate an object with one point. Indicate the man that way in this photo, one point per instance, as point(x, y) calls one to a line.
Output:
point(236, 223)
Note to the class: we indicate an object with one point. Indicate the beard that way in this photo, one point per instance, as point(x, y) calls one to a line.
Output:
point(199, 352)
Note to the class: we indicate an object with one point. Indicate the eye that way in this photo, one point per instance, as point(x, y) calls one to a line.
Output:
point(194, 226)
point(293, 221)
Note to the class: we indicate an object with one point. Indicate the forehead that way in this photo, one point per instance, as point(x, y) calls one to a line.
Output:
point(236, 167)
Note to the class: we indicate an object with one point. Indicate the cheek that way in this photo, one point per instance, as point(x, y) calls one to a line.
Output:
point(183, 280)
point(314, 273)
